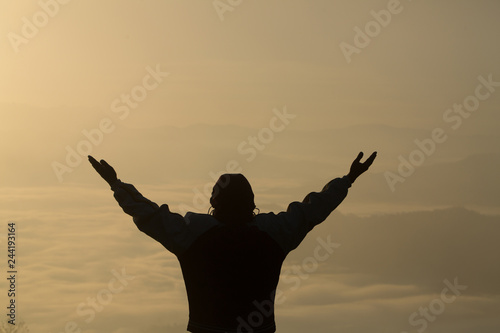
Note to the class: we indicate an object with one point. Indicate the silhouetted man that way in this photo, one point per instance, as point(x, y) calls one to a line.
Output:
point(231, 259)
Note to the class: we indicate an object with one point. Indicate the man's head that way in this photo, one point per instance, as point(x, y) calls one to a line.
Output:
point(233, 199)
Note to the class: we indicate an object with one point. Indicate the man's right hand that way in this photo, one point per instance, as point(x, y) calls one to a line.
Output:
point(104, 169)
point(357, 168)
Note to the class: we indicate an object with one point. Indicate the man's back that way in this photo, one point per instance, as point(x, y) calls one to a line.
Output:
point(231, 274)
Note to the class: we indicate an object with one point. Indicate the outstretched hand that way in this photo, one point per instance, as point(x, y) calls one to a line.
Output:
point(357, 168)
point(104, 169)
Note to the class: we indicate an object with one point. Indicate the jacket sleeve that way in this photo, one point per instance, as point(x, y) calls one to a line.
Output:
point(290, 228)
point(158, 222)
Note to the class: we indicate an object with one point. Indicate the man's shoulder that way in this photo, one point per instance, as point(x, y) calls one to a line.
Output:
point(197, 222)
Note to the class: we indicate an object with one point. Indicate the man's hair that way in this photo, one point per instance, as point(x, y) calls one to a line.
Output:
point(233, 199)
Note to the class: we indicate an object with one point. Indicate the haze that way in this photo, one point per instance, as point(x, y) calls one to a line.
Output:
point(287, 92)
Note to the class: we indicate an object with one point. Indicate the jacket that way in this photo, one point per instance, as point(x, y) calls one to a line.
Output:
point(231, 273)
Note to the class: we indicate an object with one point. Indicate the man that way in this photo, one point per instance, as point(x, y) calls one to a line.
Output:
point(231, 258)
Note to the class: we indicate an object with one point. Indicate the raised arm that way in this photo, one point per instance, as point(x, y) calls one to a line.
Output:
point(157, 222)
point(289, 228)
point(132, 202)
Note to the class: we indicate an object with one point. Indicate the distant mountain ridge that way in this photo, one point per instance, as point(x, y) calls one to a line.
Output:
point(461, 171)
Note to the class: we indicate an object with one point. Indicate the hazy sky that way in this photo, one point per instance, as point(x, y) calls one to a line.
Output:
point(172, 92)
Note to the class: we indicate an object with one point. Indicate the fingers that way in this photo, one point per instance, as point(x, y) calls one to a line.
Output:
point(104, 163)
point(99, 166)
point(358, 168)
point(94, 163)
point(360, 155)
point(370, 159)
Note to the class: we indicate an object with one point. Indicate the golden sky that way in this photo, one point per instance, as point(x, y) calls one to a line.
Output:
point(172, 93)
